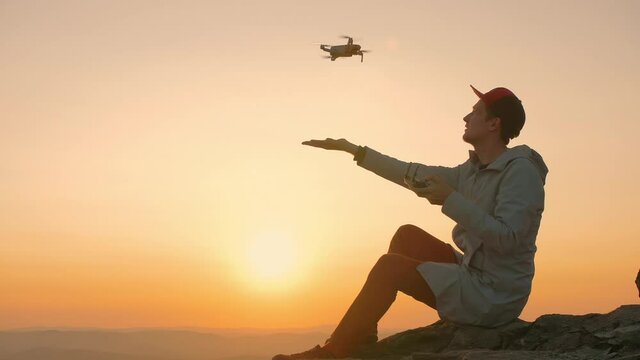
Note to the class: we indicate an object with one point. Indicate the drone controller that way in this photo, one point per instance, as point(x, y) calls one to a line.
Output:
point(420, 183)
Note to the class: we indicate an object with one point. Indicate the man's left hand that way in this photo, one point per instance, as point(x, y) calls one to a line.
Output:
point(436, 191)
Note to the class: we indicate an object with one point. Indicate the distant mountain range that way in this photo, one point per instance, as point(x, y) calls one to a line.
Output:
point(148, 345)
point(52, 353)
point(155, 344)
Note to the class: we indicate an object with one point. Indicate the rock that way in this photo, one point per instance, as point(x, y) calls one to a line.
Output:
point(618, 330)
point(506, 355)
point(615, 335)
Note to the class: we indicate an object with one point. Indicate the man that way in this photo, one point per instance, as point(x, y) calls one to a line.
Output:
point(496, 198)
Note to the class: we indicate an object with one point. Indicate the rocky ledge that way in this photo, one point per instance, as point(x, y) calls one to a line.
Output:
point(615, 335)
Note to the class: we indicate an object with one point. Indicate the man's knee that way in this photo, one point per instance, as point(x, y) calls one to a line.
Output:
point(403, 235)
point(394, 272)
point(387, 267)
point(404, 231)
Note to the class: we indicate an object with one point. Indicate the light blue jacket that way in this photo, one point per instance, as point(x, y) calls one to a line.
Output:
point(497, 211)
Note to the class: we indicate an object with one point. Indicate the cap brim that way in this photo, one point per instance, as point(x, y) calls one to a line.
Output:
point(480, 95)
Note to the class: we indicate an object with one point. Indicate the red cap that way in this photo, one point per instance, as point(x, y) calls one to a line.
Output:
point(493, 95)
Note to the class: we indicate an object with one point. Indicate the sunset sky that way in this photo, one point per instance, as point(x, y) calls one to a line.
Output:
point(152, 172)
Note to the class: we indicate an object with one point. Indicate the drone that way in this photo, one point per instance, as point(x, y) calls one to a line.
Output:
point(347, 50)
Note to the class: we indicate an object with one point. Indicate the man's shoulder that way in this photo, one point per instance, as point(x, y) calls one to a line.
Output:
point(528, 160)
point(523, 170)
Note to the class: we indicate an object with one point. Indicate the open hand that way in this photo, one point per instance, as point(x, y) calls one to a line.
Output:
point(332, 144)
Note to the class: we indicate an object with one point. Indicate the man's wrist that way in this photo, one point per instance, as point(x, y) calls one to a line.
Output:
point(353, 149)
point(359, 154)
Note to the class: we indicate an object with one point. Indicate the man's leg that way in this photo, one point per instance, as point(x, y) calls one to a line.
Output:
point(392, 273)
point(411, 241)
point(396, 270)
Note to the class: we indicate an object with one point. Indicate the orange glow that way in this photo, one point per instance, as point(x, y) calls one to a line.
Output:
point(152, 171)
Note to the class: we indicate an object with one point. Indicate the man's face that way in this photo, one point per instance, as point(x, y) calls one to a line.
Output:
point(478, 127)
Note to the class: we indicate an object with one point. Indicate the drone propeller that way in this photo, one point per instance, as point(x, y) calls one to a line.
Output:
point(351, 39)
point(347, 37)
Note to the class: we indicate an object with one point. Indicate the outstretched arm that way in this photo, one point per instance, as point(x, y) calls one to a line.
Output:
point(388, 167)
point(403, 173)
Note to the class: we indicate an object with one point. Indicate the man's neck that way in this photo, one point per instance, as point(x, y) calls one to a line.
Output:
point(487, 153)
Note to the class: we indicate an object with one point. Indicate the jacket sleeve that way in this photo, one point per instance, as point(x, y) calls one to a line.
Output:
point(518, 210)
point(395, 170)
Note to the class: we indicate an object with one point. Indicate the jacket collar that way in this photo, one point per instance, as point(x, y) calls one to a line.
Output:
point(520, 151)
point(501, 162)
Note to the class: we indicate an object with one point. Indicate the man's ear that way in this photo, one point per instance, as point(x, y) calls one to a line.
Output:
point(495, 123)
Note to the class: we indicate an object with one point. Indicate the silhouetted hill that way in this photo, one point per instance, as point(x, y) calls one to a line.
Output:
point(52, 353)
point(149, 345)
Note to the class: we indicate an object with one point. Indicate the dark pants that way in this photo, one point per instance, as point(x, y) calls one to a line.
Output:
point(395, 270)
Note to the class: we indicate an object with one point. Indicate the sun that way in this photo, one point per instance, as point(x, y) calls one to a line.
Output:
point(273, 260)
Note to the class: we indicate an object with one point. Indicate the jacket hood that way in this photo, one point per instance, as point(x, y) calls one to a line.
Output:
point(520, 151)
